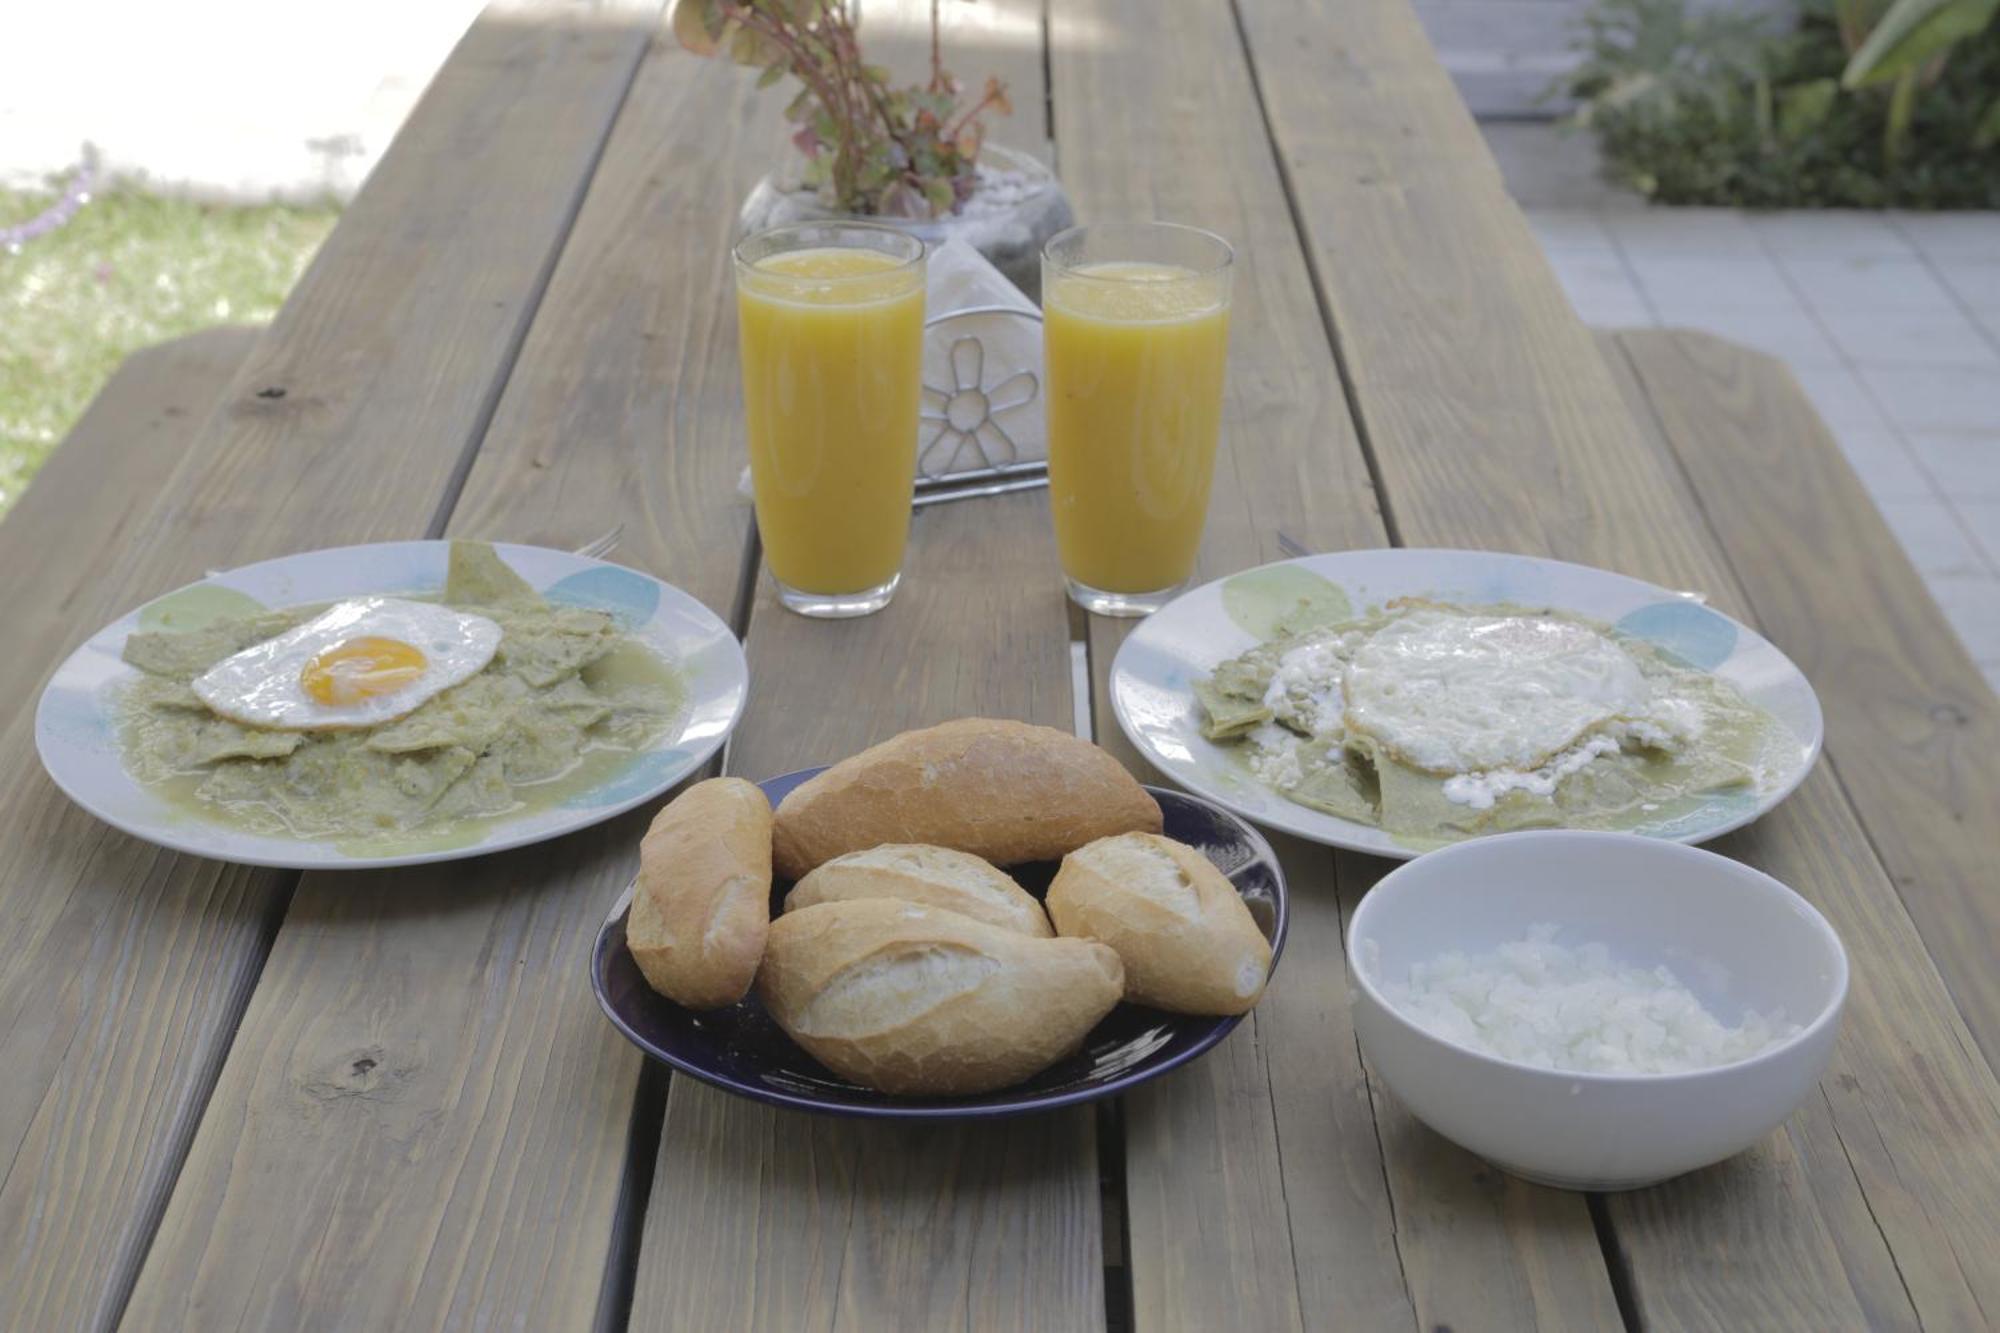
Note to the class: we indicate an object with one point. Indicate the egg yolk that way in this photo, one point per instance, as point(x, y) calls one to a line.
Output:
point(362, 668)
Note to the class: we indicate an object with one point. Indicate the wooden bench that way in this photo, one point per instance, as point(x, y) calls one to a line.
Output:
point(1911, 721)
point(108, 471)
point(100, 484)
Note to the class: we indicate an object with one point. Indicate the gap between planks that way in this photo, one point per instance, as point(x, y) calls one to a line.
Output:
point(1350, 394)
point(1374, 1220)
point(1352, 877)
point(538, 290)
point(847, 1220)
point(1110, 1111)
point(649, 1097)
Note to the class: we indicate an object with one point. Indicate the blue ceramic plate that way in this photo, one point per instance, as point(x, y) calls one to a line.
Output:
point(741, 1050)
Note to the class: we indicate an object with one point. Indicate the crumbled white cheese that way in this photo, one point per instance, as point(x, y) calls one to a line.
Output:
point(1539, 1003)
point(1308, 679)
point(1274, 756)
point(1480, 790)
point(1669, 722)
point(1642, 731)
point(1496, 688)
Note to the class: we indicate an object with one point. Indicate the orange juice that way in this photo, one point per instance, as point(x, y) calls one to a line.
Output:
point(832, 343)
point(1135, 355)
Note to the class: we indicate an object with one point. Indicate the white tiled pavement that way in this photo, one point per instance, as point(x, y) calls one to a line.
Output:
point(1891, 321)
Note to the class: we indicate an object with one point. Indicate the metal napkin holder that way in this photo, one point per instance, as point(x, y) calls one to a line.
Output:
point(962, 421)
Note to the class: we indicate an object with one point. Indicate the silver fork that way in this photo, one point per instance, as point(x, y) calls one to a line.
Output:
point(599, 547)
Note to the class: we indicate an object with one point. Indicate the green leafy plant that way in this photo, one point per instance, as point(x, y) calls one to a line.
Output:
point(870, 148)
point(1905, 48)
point(1648, 59)
point(1720, 108)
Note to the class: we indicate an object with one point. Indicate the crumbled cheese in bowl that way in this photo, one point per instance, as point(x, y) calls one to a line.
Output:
point(1540, 1003)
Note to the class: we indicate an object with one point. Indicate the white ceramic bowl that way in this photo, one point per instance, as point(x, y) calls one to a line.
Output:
point(1734, 936)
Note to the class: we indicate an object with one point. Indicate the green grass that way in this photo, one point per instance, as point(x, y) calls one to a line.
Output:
point(127, 271)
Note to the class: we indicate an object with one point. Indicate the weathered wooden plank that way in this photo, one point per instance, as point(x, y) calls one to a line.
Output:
point(414, 1128)
point(1382, 1222)
point(99, 484)
point(1493, 423)
point(1256, 1191)
point(1475, 1238)
point(127, 969)
point(1472, 379)
point(135, 430)
point(125, 972)
point(1257, 1194)
point(762, 1218)
point(1913, 726)
point(471, 1171)
point(626, 404)
point(1764, 462)
point(1925, 1164)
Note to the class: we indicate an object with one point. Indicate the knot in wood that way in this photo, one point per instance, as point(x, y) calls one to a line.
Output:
point(363, 1072)
point(1949, 715)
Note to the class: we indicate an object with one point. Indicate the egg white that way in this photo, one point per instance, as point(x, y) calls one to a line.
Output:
point(261, 687)
point(1458, 692)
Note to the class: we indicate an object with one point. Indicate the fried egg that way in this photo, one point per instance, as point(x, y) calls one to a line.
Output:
point(1460, 692)
point(357, 664)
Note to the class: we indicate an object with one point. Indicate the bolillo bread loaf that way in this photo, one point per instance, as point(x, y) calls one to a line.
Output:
point(1187, 940)
point(1005, 791)
point(937, 876)
point(702, 904)
point(913, 1000)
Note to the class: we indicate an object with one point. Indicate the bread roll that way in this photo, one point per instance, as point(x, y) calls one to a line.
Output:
point(956, 881)
point(1007, 791)
point(912, 1000)
point(702, 905)
point(1186, 938)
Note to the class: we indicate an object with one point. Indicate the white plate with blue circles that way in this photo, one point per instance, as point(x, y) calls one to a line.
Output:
point(1153, 674)
point(77, 725)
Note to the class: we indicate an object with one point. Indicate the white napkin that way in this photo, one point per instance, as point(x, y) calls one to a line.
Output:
point(991, 364)
point(982, 402)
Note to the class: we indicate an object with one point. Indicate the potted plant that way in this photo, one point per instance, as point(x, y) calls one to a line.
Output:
point(912, 157)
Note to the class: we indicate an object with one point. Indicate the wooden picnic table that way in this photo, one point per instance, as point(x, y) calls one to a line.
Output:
point(245, 1098)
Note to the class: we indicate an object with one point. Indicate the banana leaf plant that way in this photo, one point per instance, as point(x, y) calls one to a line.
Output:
point(1905, 48)
point(870, 147)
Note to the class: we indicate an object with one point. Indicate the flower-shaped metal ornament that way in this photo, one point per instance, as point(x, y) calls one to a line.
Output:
point(965, 438)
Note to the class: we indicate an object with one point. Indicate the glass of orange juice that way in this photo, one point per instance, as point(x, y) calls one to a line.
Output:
point(831, 316)
point(1135, 334)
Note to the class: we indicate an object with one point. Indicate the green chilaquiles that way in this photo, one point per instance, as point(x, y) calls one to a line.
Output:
point(566, 698)
point(1352, 775)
